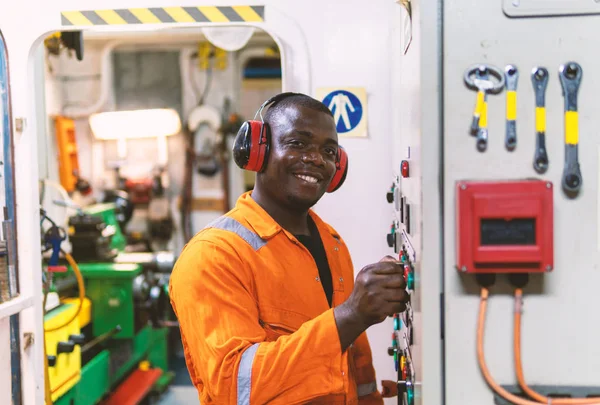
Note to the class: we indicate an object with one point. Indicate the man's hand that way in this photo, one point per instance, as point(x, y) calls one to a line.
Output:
point(379, 292)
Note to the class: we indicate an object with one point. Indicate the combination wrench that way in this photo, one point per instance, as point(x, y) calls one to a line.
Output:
point(479, 82)
point(479, 78)
point(570, 79)
point(512, 78)
point(539, 78)
point(482, 132)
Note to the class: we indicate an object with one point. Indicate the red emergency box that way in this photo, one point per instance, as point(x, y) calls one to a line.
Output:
point(504, 226)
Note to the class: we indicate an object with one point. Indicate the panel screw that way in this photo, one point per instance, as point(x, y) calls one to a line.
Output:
point(549, 185)
point(463, 187)
point(463, 269)
point(548, 268)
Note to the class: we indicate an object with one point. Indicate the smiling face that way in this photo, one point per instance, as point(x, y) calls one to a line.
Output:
point(301, 160)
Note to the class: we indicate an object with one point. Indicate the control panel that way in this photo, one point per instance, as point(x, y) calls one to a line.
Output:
point(399, 240)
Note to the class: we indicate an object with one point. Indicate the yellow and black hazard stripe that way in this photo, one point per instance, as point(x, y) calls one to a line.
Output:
point(161, 15)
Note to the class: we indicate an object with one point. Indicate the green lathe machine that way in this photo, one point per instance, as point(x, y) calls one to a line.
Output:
point(115, 350)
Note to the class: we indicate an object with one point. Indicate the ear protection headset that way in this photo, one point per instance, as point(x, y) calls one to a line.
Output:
point(253, 140)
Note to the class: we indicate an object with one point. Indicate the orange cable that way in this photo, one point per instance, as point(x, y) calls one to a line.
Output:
point(81, 287)
point(481, 357)
point(519, 365)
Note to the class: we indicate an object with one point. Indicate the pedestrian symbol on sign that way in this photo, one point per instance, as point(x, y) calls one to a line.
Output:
point(346, 108)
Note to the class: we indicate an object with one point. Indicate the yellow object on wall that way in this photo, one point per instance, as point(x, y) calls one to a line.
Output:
point(206, 51)
point(68, 161)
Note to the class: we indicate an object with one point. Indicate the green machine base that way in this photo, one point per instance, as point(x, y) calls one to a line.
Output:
point(97, 380)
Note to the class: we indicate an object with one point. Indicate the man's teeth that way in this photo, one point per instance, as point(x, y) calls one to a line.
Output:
point(309, 179)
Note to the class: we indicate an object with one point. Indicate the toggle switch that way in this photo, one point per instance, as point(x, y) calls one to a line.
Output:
point(394, 350)
point(410, 281)
point(65, 347)
point(391, 237)
point(397, 322)
point(390, 194)
point(410, 393)
point(51, 361)
point(404, 168)
point(403, 367)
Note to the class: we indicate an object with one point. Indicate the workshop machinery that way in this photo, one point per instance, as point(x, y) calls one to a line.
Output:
point(113, 347)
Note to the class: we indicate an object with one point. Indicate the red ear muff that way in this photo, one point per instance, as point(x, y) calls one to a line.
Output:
point(251, 146)
point(341, 166)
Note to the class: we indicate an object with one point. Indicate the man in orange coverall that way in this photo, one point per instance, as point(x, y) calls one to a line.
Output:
point(268, 307)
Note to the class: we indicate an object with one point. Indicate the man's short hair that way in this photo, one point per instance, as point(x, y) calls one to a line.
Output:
point(296, 100)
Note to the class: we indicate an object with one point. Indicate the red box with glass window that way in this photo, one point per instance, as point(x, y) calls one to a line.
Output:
point(504, 226)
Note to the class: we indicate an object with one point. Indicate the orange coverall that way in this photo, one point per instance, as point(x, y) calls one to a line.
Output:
point(255, 323)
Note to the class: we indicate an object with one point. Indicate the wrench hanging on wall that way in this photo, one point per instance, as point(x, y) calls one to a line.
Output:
point(481, 75)
point(570, 78)
point(512, 78)
point(479, 78)
point(539, 78)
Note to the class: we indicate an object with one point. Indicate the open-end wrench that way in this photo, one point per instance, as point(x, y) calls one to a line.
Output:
point(570, 78)
point(512, 77)
point(539, 78)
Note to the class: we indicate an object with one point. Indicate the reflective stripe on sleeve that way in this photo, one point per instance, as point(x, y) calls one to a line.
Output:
point(245, 375)
point(366, 389)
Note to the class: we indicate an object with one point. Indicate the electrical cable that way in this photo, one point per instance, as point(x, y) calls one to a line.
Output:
point(207, 82)
point(481, 356)
point(519, 365)
point(81, 288)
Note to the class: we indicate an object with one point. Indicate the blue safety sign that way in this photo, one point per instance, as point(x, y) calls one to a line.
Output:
point(347, 109)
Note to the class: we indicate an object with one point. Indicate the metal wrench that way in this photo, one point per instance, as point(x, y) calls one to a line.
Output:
point(481, 130)
point(570, 78)
point(480, 84)
point(512, 77)
point(478, 77)
point(539, 78)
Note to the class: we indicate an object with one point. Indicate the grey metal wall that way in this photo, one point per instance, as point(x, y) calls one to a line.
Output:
point(431, 116)
point(560, 328)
